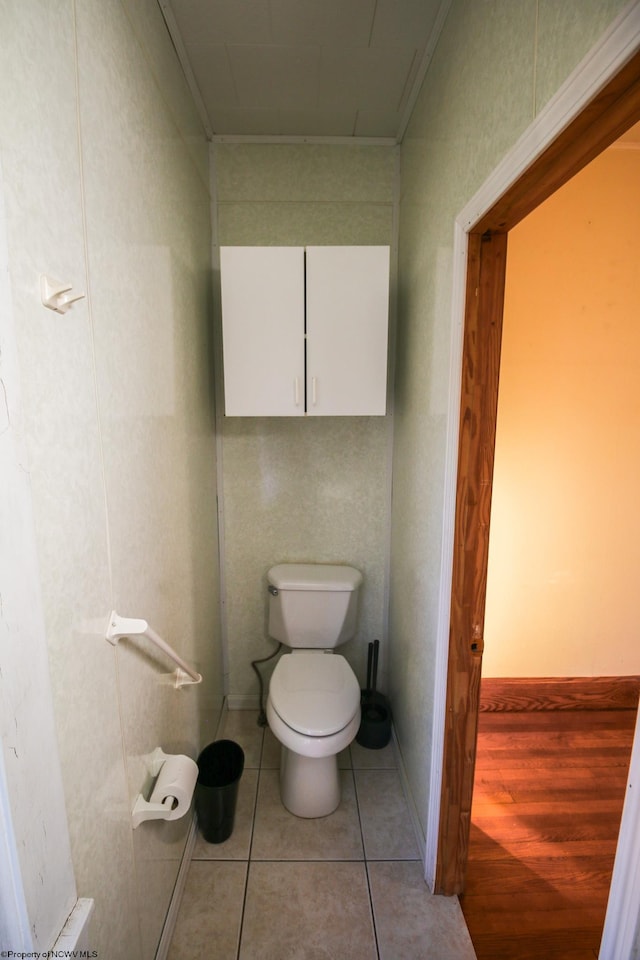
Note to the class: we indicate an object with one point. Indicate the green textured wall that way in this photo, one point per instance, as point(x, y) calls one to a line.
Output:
point(307, 489)
point(496, 65)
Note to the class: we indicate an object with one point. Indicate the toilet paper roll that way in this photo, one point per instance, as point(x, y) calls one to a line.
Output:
point(177, 780)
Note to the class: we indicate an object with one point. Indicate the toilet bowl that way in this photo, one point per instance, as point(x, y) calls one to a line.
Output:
point(313, 709)
point(313, 706)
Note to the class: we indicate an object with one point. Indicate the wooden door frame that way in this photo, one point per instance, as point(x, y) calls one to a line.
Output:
point(600, 120)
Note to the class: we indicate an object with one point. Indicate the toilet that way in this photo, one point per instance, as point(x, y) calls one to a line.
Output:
point(313, 707)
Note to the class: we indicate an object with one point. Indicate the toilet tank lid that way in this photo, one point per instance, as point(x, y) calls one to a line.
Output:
point(314, 576)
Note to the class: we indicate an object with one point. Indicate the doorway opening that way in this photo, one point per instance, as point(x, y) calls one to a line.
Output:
point(608, 115)
point(556, 716)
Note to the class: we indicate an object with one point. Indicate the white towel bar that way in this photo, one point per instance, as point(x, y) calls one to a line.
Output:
point(128, 627)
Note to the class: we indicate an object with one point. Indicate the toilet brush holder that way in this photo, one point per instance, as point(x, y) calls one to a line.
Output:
point(375, 712)
point(375, 721)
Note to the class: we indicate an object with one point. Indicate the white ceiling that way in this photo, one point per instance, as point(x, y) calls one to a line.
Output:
point(310, 68)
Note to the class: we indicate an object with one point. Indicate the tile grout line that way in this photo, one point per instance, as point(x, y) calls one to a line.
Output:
point(364, 854)
point(260, 770)
point(356, 771)
point(253, 827)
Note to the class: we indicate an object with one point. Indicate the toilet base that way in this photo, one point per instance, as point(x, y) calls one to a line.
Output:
point(309, 786)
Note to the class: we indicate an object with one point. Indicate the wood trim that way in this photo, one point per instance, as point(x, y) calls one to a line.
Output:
point(604, 119)
point(613, 110)
point(481, 364)
point(541, 694)
point(620, 934)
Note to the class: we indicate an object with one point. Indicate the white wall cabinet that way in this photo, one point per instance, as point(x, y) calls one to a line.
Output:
point(305, 330)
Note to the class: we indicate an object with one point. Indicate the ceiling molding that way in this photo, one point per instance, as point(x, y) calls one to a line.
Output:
point(178, 45)
point(336, 141)
point(404, 109)
point(425, 62)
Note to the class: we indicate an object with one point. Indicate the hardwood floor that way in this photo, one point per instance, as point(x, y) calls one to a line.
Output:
point(548, 794)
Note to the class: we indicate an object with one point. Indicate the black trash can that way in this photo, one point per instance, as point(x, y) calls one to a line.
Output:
point(220, 767)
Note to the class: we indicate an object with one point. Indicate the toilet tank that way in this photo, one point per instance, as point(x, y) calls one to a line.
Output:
point(313, 605)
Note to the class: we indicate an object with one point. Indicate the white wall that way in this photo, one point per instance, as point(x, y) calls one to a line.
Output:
point(37, 888)
point(106, 181)
point(565, 535)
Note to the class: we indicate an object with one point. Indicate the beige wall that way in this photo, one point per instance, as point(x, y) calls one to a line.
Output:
point(496, 65)
point(106, 186)
point(565, 531)
point(308, 489)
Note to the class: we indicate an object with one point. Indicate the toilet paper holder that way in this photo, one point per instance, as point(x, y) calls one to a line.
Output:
point(172, 791)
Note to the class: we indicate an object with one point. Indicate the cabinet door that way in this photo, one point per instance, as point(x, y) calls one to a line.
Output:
point(347, 330)
point(262, 330)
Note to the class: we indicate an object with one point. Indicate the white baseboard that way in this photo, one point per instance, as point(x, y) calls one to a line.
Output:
point(406, 789)
point(75, 935)
point(241, 701)
point(178, 890)
point(181, 879)
point(221, 719)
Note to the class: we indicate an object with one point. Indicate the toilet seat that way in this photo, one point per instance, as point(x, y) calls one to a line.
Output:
point(315, 694)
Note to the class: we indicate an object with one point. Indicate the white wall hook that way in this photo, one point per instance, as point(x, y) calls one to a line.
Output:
point(57, 296)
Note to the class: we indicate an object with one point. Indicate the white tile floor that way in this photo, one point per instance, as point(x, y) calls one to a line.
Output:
point(346, 887)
